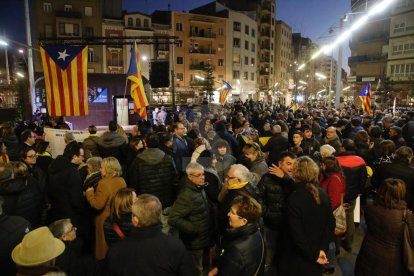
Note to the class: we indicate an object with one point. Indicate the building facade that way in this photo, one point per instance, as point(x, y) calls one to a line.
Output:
point(283, 58)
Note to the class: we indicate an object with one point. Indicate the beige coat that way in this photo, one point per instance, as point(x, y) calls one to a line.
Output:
point(101, 201)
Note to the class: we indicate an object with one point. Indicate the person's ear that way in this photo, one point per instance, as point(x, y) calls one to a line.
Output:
point(135, 221)
point(244, 221)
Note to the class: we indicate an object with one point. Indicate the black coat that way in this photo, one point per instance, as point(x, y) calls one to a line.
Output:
point(23, 197)
point(310, 229)
point(244, 253)
point(114, 145)
point(12, 231)
point(13, 147)
point(147, 251)
point(65, 193)
point(124, 223)
point(274, 192)
point(399, 168)
point(153, 172)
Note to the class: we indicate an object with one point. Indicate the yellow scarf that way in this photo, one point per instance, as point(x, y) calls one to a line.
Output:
point(44, 154)
point(237, 186)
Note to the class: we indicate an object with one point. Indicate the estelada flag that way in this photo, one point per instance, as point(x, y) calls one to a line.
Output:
point(65, 69)
point(365, 97)
point(224, 92)
point(137, 86)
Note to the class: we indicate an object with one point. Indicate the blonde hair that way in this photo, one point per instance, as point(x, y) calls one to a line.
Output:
point(253, 148)
point(306, 170)
point(20, 169)
point(112, 166)
point(122, 202)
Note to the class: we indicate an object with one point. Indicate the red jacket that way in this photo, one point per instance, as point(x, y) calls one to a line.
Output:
point(335, 186)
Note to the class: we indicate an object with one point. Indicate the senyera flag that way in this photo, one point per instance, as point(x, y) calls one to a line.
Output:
point(365, 97)
point(65, 69)
point(137, 86)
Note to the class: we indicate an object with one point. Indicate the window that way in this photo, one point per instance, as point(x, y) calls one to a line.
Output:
point(146, 23)
point(88, 31)
point(221, 31)
point(402, 69)
point(252, 76)
point(273, 33)
point(115, 59)
point(91, 55)
point(180, 76)
point(252, 61)
point(48, 30)
point(180, 60)
point(76, 29)
point(88, 11)
point(271, 46)
point(253, 47)
point(236, 59)
point(399, 27)
point(246, 76)
point(271, 58)
point(246, 29)
point(236, 26)
point(236, 42)
point(47, 7)
point(179, 44)
point(253, 33)
point(179, 27)
point(221, 62)
point(68, 8)
point(246, 45)
point(138, 23)
point(236, 75)
point(130, 22)
point(68, 29)
point(246, 60)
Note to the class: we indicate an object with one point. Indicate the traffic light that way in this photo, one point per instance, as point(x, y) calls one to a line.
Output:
point(159, 76)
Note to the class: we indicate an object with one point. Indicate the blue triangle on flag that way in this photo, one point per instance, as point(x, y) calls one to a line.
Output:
point(63, 55)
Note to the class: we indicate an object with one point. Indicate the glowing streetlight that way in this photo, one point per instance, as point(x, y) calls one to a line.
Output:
point(144, 58)
point(199, 77)
point(301, 66)
point(303, 82)
point(3, 43)
point(21, 51)
point(20, 75)
point(321, 76)
point(346, 88)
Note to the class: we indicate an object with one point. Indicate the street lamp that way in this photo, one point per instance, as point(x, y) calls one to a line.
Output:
point(320, 76)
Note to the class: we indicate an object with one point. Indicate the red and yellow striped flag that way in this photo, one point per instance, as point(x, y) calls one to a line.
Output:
point(137, 86)
point(65, 69)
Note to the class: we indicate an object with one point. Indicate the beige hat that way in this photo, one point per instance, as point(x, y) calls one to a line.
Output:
point(37, 247)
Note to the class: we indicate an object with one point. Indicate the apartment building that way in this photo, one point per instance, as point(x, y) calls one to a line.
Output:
point(400, 63)
point(69, 19)
point(283, 58)
point(241, 53)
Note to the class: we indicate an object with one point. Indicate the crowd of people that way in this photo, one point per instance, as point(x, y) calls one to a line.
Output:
point(245, 189)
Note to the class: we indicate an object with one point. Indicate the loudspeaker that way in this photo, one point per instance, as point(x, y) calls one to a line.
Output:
point(159, 75)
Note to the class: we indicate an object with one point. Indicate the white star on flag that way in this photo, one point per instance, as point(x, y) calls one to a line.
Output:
point(63, 55)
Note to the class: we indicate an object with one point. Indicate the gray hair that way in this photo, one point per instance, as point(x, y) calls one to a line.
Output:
point(147, 208)
point(94, 164)
point(192, 167)
point(327, 150)
point(69, 137)
point(59, 228)
point(241, 172)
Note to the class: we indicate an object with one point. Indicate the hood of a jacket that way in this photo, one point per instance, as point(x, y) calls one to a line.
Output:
point(111, 139)
point(10, 140)
point(152, 156)
point(13, 186)
point(59, 164)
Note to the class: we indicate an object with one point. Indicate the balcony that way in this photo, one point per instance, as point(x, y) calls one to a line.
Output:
point(202, 34)
point(265, 59)
point(197, 66)
point(68, 14)
point(203, 51)
point(265, 47)
point(265, 33)
point(366, 58)
point(264, 72)
point(265, 20)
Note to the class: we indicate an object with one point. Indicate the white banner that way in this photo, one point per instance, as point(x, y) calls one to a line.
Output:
point(55, 137)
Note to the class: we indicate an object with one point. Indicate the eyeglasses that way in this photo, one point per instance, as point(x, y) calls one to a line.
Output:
point(31, 156)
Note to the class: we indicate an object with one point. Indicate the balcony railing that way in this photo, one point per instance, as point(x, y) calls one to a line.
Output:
point(264, 72)
point(202, 34)
point(265, 59)
point(202, 51)
point(365, 58)
point(68, 14)
point(197, 66)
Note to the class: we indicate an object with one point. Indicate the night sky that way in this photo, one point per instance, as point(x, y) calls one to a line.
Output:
point(312, 18)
